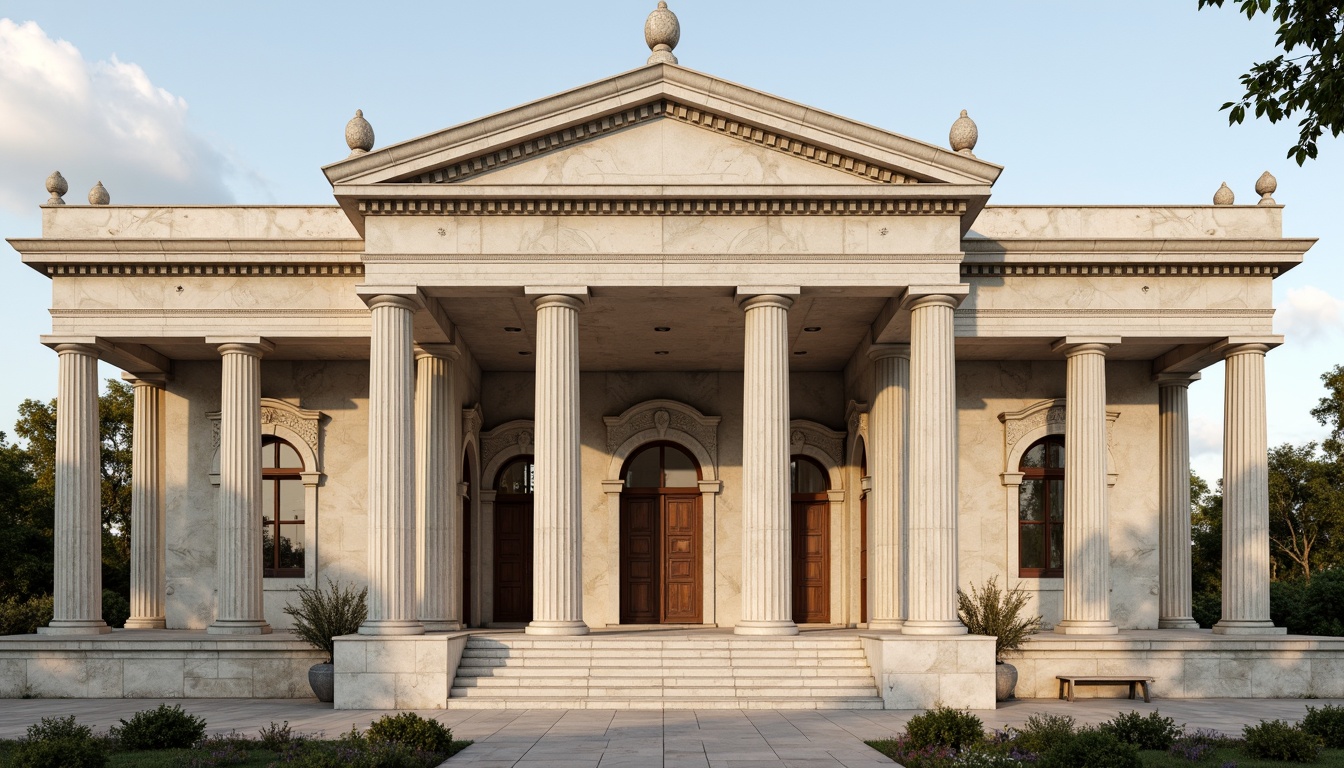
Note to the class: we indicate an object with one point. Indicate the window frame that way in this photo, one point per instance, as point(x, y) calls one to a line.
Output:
point(662, 446)
point(1043, 475)
point(272, 570)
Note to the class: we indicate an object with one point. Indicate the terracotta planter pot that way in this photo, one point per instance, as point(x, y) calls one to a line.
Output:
point(322, 679)
point(1005, 680)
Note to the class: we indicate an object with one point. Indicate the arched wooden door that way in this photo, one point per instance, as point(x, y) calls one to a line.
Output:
point(513, 542)
point(811, 542)
point(661, 562)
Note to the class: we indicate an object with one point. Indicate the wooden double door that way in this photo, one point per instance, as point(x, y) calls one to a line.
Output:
point(513, 558)
point(661, 566)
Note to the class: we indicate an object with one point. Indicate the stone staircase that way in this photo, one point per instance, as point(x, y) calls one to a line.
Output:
point(646, 670)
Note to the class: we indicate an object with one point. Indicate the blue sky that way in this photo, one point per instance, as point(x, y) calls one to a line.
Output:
point(1083, 103)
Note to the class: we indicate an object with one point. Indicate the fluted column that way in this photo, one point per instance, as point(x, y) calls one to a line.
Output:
point(767, 563)
point(78, 595)
point(392, 598)
point(1087, 533)
point(1173, 413)
point(238, 559)
point(933, 468)
point(437, 522)
point(557, 592)
point(888, 464)
point(1245, 495)
point(147, 512)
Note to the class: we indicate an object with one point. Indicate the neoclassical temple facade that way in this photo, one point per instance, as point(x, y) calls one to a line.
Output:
point(664, 350)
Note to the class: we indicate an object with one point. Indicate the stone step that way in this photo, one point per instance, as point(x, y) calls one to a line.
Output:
point(668, 683)
point(570, 701)
point(711, 666)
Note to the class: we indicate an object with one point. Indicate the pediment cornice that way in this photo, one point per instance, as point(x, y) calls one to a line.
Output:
point(673, 92)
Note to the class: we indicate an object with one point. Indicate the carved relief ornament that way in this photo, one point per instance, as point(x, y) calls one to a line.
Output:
point(803, 433)
point(660, 416)
point(1047, 415)
point(300, 422)
point(514, 437)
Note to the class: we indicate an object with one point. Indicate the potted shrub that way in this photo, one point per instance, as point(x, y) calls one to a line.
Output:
point(992, 611)
point(320, 617)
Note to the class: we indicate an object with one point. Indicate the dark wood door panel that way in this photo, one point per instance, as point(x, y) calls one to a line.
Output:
point(639, 559)
point(513, 561)
point(682, 564)
point(811, 562)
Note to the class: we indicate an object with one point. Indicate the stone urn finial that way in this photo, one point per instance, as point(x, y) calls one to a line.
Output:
point(662, 32)
point(57, 186)
point(1223, 196)
point(98, 195)
point(358, 134)
point(1265, 186)
point(963, 135)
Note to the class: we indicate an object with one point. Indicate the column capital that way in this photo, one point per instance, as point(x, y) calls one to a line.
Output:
point(752, 301)
point(1246, 345)
point(571, 296)
point(404, 296)
point(747, 291)
point(157, 380)
point(445, 351)
point(1074, 345)
point(882, 351)
point(83, 345)
point(255, 346)
point(950, 295)
point(1176, 379)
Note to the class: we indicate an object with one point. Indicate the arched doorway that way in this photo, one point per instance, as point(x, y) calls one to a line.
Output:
point(660, 537)
point(513, 541)
point(811, 542)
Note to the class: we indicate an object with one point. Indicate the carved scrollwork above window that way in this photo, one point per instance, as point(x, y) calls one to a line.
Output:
point(510, 439)
point(1023, 427)
point(665, 420)
point(293, 423)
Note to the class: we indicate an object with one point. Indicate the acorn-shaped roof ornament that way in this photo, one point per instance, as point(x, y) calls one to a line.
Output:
point(963, 135)
point(1223, 196)
point(57, 186)
point(98, 195)
point(662, 32)
point(358, 134)
point(1265, 187)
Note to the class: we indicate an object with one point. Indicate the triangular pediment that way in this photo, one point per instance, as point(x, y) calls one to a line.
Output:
point(662, 124)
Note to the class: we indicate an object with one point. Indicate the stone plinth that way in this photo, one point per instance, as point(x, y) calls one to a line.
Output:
point(923, 672)
point(396, 671)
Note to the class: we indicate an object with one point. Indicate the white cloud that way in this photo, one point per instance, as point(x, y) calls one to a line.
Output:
point(1308, 313)
point(96, 121)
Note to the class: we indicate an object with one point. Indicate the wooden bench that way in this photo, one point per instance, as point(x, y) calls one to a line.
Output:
point(1068, 682)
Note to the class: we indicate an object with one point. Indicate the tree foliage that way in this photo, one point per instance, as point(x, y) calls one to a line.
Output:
point(1306, 510)
point(1307, 77)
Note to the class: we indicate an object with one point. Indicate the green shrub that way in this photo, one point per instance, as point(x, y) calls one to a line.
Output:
point(944, 727)
point(1041, 733)
point(275, 737)
point(116, 609)
point(1327, 723)
point(1309, 608)
point(412, 730)
point(1151, 731)
point(357, 754)
point(1091, 748)
point(162, 728)
point(1277, 740)
point(1207, 608)
point(325, 614)
point(991, 611)
point(59, 753)
point(58, 729)
point(23, 617)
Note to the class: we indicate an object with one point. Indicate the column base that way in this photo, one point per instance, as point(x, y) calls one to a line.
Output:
point(765, 628)
point(75, 627)
point(885, 625)
point(556, 628)
point(147, 622)
point(390, 627)
point(1182, 622)
point(239, 627)
point(441, 625)
point(1246, 627)
point(929, 627)
point(1079, 627)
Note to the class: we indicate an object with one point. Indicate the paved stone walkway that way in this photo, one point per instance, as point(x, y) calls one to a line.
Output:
point(673, 739)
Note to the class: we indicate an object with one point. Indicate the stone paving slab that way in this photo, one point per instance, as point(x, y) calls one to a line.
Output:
point(634, 739)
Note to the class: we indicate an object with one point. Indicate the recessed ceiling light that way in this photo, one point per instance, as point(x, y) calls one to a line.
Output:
point(662, 329)
point(662, 352)
point(512, 329)
point(524, 353)
point(800, 352)
point(812, 328)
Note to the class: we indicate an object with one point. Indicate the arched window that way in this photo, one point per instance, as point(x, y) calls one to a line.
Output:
point(807, 476)
point(516, 478)
point(282, 534)
point(1040, 510)
point(661, 465)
